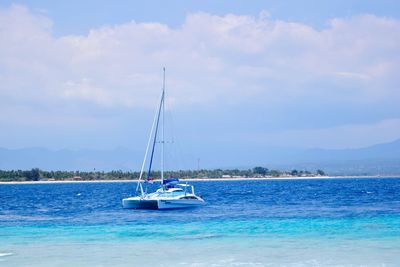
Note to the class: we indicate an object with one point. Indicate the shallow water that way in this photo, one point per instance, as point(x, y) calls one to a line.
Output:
point(335, 222)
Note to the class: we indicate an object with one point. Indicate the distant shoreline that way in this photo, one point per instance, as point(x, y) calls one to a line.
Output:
point(207, 179)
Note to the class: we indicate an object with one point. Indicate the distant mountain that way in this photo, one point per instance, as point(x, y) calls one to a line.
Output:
point(381, 151)
point(84, 160)
point(381, 159)
point(378, 159)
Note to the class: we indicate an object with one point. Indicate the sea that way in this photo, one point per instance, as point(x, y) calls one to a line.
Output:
point(307, 222)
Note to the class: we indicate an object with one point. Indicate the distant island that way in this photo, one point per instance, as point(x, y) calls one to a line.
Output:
point(256, 172)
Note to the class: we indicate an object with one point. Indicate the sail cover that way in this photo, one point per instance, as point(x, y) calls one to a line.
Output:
point(170, 181)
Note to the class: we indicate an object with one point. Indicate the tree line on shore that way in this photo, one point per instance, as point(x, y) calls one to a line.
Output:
point(42, 175)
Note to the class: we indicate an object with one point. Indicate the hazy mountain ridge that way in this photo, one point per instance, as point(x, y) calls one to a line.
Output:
point(377, 159)
point(387, 151)
point(380, 159)
point(87, 160)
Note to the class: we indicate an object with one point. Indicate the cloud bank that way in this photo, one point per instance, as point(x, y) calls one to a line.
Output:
point(253, 75)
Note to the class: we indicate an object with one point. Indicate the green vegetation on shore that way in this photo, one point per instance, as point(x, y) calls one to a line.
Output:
point(41, 175)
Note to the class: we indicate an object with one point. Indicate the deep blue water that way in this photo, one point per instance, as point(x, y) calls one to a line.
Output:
point(360, 210)
point(100, 203)
point(90, 203)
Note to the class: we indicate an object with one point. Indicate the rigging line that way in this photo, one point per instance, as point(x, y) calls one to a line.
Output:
point(155, 135)
point(147, 150)
point(180, 160)
point(176, 149)
point(163, 130)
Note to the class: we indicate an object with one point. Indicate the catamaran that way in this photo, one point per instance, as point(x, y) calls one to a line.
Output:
point(171, 194)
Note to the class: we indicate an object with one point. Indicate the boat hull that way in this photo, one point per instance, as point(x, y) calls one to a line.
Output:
point(160, 204)
point(137, 203)
point(179, 203)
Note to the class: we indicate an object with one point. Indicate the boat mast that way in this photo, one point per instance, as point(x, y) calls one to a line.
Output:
point(162, 132)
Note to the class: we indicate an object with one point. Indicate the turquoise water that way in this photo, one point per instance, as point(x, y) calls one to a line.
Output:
point(338, 222)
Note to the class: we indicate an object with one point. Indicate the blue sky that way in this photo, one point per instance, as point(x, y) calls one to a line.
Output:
point(78, 17)
point(245, 74)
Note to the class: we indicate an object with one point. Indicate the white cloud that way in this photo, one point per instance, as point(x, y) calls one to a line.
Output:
point(234, 60)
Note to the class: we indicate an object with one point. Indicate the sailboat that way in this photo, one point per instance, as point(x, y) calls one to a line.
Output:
point(171, 194)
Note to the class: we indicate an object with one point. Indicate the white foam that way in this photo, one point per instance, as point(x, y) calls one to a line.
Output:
point(4, 254)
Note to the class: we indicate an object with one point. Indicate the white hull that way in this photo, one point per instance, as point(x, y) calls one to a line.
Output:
point(160, 204)
point(179, 203)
